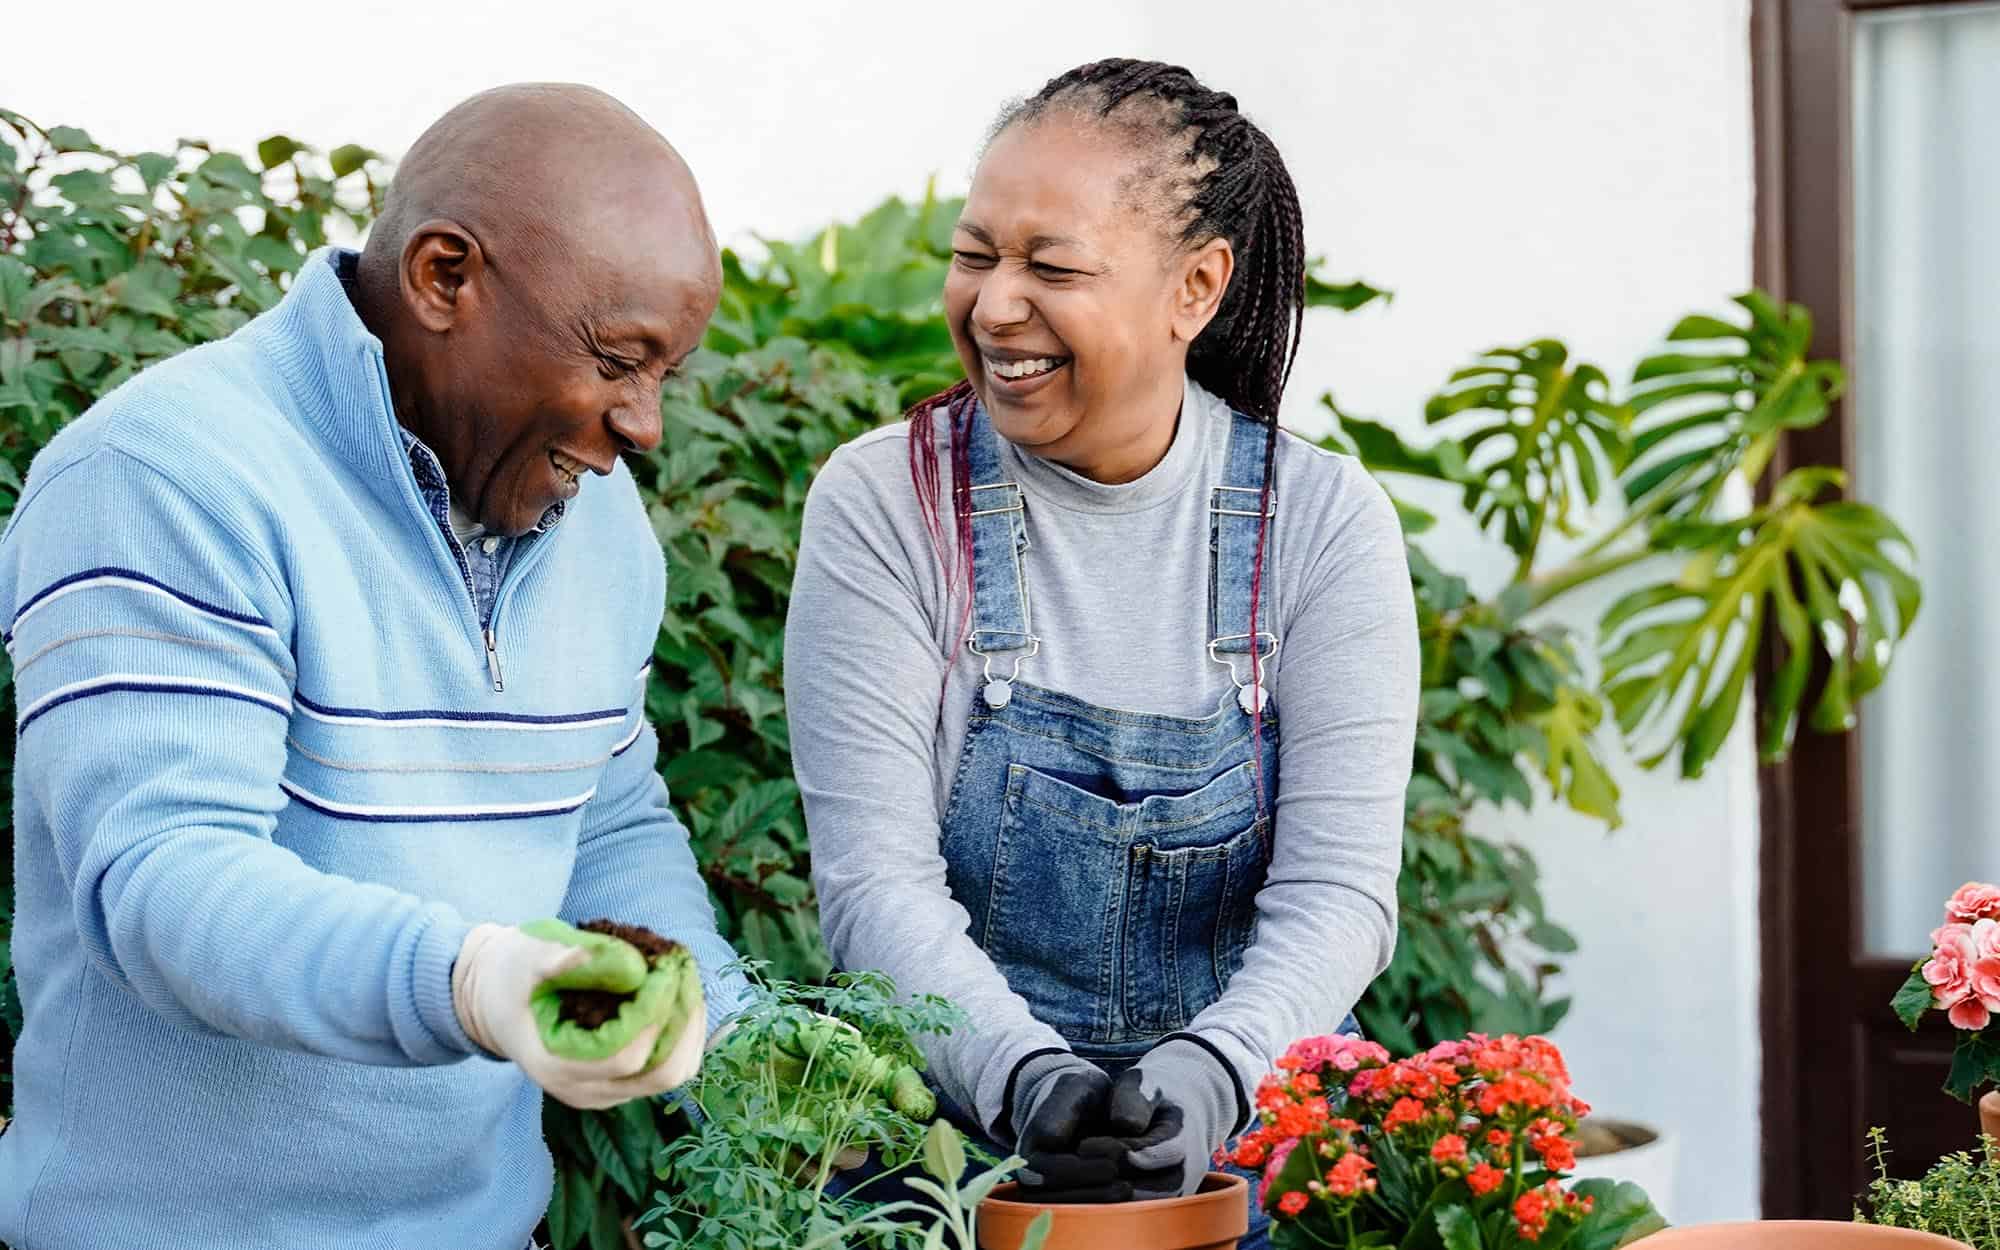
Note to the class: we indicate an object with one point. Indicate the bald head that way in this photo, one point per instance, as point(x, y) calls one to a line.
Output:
point(542, 261)
point(539, 170)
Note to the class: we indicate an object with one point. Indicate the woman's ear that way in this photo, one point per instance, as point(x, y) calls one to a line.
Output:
point(442, 264)
point(1204, 278)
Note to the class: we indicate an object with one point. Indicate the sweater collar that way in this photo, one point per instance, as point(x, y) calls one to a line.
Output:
point(333, 367)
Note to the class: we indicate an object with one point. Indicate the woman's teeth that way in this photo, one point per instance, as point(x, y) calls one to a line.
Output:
point(1022, 368)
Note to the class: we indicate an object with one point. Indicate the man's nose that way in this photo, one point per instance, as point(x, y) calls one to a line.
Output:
point(636, 424)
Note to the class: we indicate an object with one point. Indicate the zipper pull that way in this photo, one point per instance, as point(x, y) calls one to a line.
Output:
point(493, 661)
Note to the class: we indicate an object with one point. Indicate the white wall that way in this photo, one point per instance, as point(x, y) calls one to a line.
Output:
point(1567, 167)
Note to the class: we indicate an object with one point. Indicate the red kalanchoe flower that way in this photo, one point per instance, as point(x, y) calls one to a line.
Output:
point(1407, 1111)
point(1306, 1083)
point(1249, 1152)
point(1292, 1203)
point(1301, 1118)
point(1531, 1211)
point(1499, 1139)
point(1271, 1094)
point(1350, 1176)
point(1484, 1179)
point(1558, 1153)
point(1449, 1150)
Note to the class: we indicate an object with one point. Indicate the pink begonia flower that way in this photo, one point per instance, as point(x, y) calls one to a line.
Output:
point(1975, 900)
point(1949, 969)
point(1969, 1014)
point(1947, 929)
point(1964, 972)
point(1985, 975)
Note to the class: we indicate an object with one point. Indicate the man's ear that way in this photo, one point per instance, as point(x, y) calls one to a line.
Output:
point(1204, 279)
point(442, 266)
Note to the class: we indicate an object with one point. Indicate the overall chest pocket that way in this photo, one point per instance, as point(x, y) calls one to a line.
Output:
point(1120, 921)
point(1193, 866)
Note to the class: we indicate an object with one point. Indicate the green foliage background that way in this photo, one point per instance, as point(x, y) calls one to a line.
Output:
point(110, 261)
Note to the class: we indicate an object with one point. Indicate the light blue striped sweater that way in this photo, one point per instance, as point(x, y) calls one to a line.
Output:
point(265, 784)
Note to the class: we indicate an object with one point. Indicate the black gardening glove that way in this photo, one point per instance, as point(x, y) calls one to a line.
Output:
point(1060, 1105)
point(1169, 1113)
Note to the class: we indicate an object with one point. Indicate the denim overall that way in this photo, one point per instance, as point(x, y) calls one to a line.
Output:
point(1110, 860)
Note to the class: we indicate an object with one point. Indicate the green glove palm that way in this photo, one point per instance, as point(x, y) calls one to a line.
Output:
point(664, 990)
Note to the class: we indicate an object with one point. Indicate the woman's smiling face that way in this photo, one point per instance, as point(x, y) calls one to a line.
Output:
point(1066, 298)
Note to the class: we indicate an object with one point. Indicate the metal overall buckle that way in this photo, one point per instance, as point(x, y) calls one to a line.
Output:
point(1251, 695)
point(998, 690)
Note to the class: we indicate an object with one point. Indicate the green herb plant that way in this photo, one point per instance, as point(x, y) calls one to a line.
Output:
point(769, 1134)
point(1959, 1197)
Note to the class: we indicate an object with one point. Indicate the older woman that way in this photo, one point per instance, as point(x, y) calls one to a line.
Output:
point(1102, 688)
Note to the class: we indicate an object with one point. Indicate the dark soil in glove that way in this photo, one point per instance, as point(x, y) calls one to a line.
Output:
point(591, 1008)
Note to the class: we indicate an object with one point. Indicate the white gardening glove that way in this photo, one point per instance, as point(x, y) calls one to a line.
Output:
point(493, 987)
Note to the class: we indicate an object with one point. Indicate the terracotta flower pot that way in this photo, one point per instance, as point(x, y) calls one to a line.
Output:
point(1211, 1218)
point(1796, 1235)
point(1989, 1114)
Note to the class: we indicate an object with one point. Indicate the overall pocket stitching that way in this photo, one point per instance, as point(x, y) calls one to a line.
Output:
point(1203, 766)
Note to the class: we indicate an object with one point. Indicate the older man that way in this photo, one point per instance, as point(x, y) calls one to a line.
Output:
point(331, 671)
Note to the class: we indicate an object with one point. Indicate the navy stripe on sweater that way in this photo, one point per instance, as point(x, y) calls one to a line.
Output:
point(39, 710)
point(486, 718)
point(241, 618)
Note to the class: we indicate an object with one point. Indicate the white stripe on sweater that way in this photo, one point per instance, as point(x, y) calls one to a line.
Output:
point(443, 811)
point(112, 580)
point(632, 737)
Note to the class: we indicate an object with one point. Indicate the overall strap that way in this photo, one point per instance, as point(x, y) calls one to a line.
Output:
point(1232, 543)
point(1001, 604)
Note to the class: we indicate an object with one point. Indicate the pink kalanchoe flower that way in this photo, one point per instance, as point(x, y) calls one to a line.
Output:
point(1279, 1153)
point(1313, 1053)
point(1975, 900)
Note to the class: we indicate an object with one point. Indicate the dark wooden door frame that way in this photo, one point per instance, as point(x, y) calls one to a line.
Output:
point(1815, 984)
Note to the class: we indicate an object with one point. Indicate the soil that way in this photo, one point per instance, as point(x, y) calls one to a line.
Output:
point(591, 1008)
point(1603, 1137)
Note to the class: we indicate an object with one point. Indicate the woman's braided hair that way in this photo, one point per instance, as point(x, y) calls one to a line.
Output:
point(1208, 172)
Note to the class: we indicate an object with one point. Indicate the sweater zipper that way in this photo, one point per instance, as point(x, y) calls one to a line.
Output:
point(517, 568)
point(487, 632)
point(493, 657)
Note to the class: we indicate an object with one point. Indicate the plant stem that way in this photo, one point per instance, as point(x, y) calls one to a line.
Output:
point(1560, 581)
point(1658, 498)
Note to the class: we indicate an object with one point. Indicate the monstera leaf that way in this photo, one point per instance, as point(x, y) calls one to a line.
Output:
point(1543, 434)
point(1569, 758)
point(1720, 404)
point(1818, 571)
